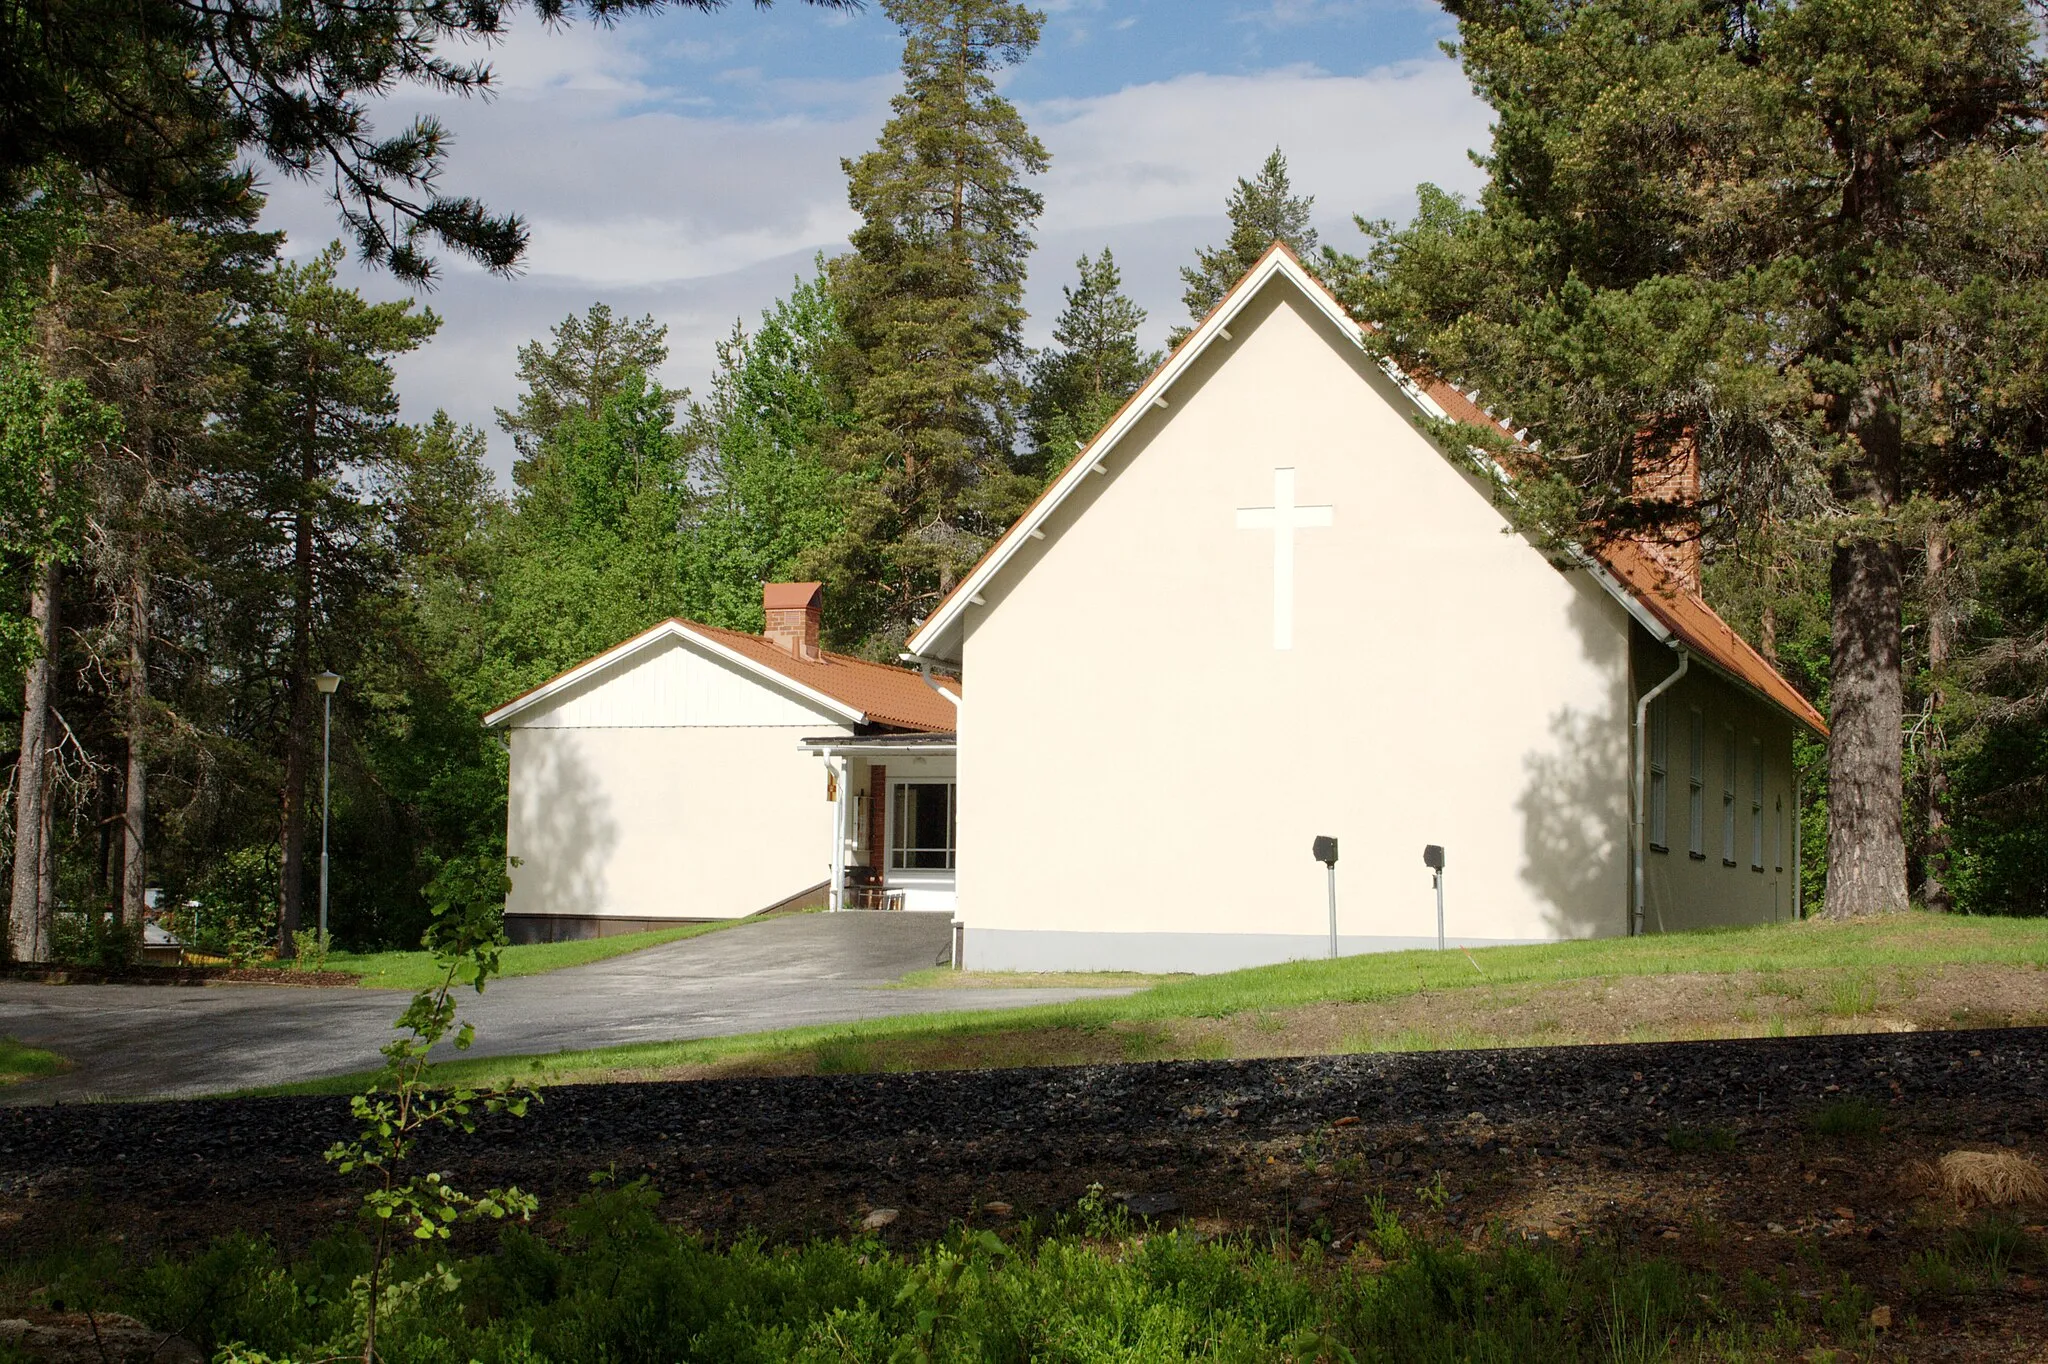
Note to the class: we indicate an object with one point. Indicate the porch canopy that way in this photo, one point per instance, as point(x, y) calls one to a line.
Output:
point(893, 805)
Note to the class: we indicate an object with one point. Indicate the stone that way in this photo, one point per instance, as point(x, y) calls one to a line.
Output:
point(879, 1218)
point(1151, 1204)
point(74, 1338)
point(1310, 1204)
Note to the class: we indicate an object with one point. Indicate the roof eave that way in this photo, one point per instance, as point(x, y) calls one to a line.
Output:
point(939, 627)
point(676, 629)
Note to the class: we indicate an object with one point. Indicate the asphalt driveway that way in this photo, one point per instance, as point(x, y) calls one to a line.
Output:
point(133, 1042)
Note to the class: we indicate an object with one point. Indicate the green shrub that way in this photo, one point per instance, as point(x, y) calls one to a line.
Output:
point(1854, 1118)
point(94, 939)
point(1686, 1141)
point(615, 1283)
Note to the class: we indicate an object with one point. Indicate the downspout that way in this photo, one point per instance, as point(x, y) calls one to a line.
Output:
point(924, 670)
point(1642, 773)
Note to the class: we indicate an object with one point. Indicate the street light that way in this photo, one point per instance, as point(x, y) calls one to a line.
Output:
point(1325, 851)
point(328, 683)
point(1433, 858)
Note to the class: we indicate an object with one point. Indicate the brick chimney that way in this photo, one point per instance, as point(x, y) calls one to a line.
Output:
point(1667, 470)
point(792, 611)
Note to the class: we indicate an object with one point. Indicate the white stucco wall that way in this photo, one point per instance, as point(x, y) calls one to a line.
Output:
point(1142, 771)
point(671, 786)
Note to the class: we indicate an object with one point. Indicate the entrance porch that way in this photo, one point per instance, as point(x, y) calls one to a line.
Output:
point(893, 818)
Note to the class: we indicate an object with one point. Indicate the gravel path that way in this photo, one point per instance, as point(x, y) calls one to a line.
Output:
point(142, 1042)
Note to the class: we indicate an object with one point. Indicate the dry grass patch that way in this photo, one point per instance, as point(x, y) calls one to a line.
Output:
point(1991, 1179)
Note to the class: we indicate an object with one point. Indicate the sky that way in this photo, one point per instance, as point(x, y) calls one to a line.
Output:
point(687, 165)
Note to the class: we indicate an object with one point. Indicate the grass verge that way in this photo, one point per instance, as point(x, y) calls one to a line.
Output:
point(18, 1063)
point(1765, 981)
point(416, 970)
point(617, 1282)
point(946, 978)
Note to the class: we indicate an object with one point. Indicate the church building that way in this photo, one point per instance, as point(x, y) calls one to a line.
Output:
point(1261, 607)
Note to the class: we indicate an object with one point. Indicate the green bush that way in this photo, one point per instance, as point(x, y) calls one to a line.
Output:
point(85, 939)
point(615, 1283)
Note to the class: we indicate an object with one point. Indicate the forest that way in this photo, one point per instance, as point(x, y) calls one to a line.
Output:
point(1834, 286)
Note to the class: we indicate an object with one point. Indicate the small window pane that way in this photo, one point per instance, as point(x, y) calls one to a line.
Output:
point(922, 826)
point(1728, 795)
point(1756, 804)
point(1696, 785)
point(1660, 794)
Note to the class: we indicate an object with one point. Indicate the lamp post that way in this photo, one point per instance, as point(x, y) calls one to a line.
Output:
point(1325, 852)
point(328, 683)
point(1433, 858)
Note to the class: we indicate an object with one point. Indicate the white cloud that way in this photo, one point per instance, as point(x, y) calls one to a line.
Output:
point(696, 193)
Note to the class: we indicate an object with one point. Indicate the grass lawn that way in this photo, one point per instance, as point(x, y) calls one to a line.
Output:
point(18, 1063)
point(946, 978)
point(416, 970)
point(1912, 971)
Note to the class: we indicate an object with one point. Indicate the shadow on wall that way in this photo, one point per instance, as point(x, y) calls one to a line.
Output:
point(567, 831)
point(1575, 802)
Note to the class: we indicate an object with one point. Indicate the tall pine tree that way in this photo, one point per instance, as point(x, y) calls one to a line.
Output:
point(931, 303)
point(1805, 236)
point(1094, 364)
point(1263, 210)
point(321, 414)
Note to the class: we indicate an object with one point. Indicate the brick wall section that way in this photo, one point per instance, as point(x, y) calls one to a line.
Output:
point(792, 612)
point(1669, 471)
point(878, 795)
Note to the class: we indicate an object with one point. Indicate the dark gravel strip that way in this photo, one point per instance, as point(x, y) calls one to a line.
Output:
point(1610, 1093)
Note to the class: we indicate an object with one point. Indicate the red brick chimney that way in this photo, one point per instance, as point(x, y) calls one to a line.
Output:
point(792, 611)
point(1667, 470)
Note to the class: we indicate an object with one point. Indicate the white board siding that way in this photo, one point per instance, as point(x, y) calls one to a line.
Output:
point(683, 823)
point(671, 684)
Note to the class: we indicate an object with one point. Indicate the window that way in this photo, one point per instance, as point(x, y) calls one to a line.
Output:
point(1778, 834)
point(1696, 788)
point(1660, 768)
point(921, 826)
point(1756, 804)
point(1728, 795)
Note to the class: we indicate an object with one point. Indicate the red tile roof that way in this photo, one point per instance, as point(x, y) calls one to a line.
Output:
point(885, 695)
point(1683, 611)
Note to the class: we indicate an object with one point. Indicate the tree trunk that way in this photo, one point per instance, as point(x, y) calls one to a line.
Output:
point(135, 808)
point(299, 729)
point(1866, 840)
point(1934, 891)
point(28, 927)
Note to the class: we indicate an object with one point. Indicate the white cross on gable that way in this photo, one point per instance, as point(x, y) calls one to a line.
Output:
point(1283, 518)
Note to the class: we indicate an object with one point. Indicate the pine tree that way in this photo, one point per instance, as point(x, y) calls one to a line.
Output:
point(1262, 210)
point(153, 102)
point(592, 359)
point(1096, 364)
point(1807, 237)
point(931, 303)
point(320, 417)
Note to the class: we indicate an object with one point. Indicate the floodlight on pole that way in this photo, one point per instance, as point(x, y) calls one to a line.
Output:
point(1433, 858)
point(1325, 852)
point(328, 683)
